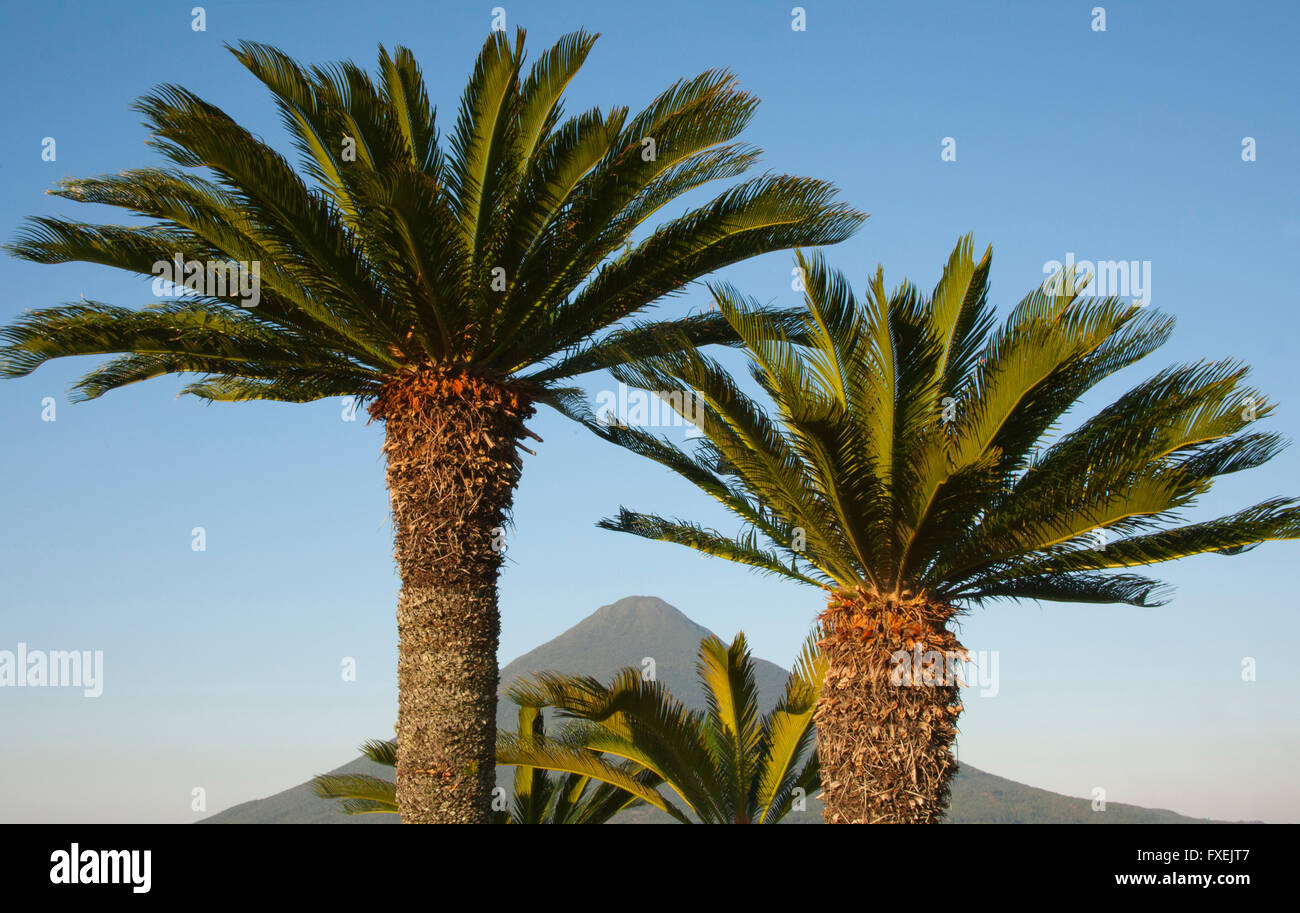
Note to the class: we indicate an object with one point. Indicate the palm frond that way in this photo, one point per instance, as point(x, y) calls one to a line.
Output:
point(559, 757)
point(358, 794)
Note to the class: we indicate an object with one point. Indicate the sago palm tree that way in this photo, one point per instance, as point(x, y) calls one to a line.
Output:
point(916, 465)
point(539, 797)
point(451, 289)
point(726, 765)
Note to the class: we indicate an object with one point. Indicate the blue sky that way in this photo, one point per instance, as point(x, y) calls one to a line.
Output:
point(222, 667)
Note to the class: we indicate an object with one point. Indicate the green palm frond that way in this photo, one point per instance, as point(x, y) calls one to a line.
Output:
point(770, 213)
point(381, 751)
point(209, 334)
point(743, 549)
point(960, 315)
point(758, 456)
point(790, 736)
point(358, 794)
point(734, 733)
point(1132, 589)
point(561, 758)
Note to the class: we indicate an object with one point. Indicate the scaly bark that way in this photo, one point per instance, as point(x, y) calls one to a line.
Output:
point(451, 446)
point(886, 719)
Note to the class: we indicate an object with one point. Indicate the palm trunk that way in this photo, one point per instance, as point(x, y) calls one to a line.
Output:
point(887, 716)
point(451, 444)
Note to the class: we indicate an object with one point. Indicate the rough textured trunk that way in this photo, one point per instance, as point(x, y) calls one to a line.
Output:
point(451, 446)
point(888, 711)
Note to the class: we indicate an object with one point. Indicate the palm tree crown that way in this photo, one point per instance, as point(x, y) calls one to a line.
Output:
point(502, 253)
point(915, 447)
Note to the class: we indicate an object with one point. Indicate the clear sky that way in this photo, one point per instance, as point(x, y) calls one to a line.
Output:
point(222, 667)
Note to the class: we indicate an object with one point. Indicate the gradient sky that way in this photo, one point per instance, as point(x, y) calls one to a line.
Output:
point(222, 668)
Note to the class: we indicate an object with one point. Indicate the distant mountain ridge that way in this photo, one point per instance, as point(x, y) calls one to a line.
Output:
point(640, 628)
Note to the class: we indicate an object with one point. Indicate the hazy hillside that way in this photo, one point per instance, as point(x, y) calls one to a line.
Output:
point(625, 633)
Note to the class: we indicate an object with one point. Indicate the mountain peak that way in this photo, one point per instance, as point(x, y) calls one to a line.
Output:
point(643, 632)
point(643, 610)
point(623, 633)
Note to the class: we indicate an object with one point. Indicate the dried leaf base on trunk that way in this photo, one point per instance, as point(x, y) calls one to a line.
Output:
point(450, 444)
point(885, 722)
